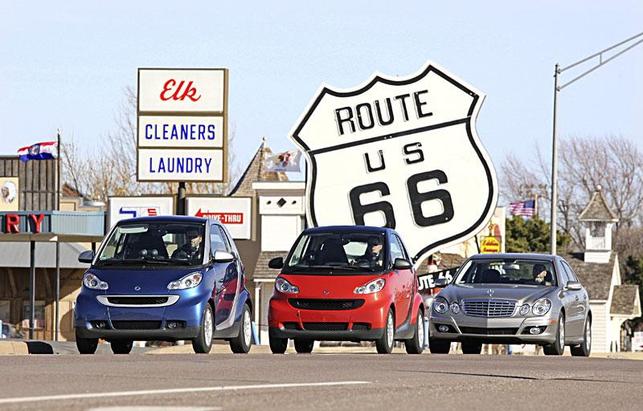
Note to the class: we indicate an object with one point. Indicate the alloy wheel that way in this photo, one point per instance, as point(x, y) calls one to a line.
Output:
point(561, 332)
point(247, 327)
point(390, 329)
point(208, 328)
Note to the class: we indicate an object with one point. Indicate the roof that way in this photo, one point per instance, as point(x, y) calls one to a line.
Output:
point(595, 277)
point(624, 300)
point(347, 229)
point(515, 256)
point(261, 268)
point(256, 171)
point(165, 218)
point(16, 255)
point(597, 209)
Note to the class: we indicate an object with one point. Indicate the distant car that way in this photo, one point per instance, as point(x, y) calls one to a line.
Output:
point(10, 331)
point(159, 278)
point(351, 283)
point(512, 299)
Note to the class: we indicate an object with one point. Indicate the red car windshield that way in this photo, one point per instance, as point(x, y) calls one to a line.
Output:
point(332, 253)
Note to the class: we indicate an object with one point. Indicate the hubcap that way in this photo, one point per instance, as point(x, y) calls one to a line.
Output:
point(420, 330)
point(561, 332)
point(247, 327)
point(389, 330)
point(207, 327)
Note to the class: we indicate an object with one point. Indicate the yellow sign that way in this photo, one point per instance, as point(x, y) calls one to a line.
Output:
point(490, 245)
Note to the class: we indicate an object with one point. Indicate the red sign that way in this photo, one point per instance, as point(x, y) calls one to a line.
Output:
point(225, 218)
point(12, 223)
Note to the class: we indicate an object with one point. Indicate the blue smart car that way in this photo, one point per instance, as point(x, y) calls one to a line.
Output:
point(164, 279)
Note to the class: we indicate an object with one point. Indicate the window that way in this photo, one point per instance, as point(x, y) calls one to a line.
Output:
point(569, 273)
point(396, 249)
point(5, 311)
point(217, 240)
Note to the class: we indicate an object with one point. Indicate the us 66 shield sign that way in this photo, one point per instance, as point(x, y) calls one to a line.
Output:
point(402, 153)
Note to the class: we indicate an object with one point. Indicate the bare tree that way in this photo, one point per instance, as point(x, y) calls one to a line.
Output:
point(613, 163)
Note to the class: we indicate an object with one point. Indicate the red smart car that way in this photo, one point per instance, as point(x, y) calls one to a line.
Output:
point(351, 283)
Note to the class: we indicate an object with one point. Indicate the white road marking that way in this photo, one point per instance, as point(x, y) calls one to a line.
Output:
point(153, 408)
point(16, 400)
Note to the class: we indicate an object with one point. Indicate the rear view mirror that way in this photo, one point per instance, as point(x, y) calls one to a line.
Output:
point(441, 282)
point(402, 264)
point(86, 256)
point(222, 257)
point(276, 263)
point(574, 286)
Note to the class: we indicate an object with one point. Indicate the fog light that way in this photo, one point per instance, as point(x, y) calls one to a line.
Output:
point(534, 330)
point(443, 328)
point(172, 325)
point(100, 324)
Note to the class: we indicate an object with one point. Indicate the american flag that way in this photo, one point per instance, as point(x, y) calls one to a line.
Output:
point(523, 208)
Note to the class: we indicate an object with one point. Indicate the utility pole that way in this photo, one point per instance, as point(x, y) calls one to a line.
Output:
point(635, 41)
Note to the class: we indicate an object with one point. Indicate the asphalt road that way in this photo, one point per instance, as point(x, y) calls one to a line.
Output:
point(317, 381)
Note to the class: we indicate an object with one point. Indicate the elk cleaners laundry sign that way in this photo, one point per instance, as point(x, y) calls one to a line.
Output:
point(182, 124)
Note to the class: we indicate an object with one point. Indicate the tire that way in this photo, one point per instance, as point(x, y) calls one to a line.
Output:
point(471, 348)
point(202, 344)
point(304, 346)
point(86, 345)
point(385, 343)
point(278, 345)
point(122, 346)
point(558, 346)
point(242, 342)
point(585, 348)
point(439, 346)
point(415, 345)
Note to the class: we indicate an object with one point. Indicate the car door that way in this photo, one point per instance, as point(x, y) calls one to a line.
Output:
point(567, 298)
point(225, 275)
point(405, 280)
point(579, 304)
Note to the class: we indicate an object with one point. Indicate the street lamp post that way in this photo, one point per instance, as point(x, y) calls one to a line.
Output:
point(635, 40)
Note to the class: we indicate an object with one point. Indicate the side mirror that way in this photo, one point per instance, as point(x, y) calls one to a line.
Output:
point(86, 256)
point(441, 282)
point(402, 264)
point(573, 286)
point(223, 257)
point(276, 263)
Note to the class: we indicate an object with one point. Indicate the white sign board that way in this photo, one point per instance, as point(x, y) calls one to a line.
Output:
point(400, 152)
point(182, 125)
point(234, 212)
point(121, 208)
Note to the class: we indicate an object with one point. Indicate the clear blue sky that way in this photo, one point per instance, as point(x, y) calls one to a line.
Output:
point(66, 64)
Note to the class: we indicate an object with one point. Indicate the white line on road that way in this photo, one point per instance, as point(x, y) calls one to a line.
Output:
point(176, 391)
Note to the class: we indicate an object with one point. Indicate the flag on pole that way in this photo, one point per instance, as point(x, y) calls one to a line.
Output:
point(286, 161)
point(523, 208)
point(40, 151)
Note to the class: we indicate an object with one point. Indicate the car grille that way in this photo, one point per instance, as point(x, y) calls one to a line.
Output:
point(489, 308)
point(325, 326)
point(488, 331)
point(325, 304)
point(136, 325)
point(153, 300)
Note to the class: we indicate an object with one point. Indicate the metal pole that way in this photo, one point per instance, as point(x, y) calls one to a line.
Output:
point(57, 305)
point(32, 288)
point(58, 176)
point(554, 166)
point(180, 200)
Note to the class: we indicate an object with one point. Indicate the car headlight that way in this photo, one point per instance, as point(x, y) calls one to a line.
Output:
point(440, 305)
point(285, 287)
point(524, 309)
point(541, 307)
point(189, 281)
point(371, 287)
point(455, 308)
point(92, 282)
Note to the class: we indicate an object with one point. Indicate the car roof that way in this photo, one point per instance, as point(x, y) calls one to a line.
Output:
point(165, 219)
point(348, 229)
point(515, 256)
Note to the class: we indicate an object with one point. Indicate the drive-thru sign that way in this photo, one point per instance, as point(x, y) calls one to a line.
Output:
point(234, 212)
point(182, 124)
point(400, 152)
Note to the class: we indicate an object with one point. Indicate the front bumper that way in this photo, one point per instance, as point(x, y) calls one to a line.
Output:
point(510, 330)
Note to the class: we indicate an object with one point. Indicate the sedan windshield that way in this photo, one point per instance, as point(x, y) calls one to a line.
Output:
point(154, 244)
point(332, 253)
point(523, 272)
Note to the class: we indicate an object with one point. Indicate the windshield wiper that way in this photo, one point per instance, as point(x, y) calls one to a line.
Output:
point(331, 267)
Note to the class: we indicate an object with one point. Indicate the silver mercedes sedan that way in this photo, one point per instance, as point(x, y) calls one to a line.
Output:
point(512, 299)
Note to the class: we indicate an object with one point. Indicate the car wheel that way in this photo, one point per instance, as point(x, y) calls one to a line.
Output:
point(241, 343)
point(122, 346)
point(86, 345)
point(439, 346)
point(471, 348)
point(558, 346)
point(304, 346)
point(585, 348)
point(415, 345)
point(385, 343)
point(202, 344)
point(278, 345)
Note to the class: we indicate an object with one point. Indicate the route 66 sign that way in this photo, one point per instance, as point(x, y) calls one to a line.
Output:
point(402, 153)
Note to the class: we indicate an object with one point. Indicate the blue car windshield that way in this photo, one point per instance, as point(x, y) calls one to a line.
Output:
point(135, 244)
point(520, 272)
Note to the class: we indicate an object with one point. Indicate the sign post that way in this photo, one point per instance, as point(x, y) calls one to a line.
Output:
point(182, 127)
